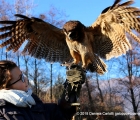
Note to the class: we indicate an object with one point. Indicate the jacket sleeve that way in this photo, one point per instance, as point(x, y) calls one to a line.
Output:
point(65, 105)
point(2, 111)
point(53, 111)
point(1, 117)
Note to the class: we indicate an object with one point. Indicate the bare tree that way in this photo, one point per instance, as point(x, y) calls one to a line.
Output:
point(131, 82)
point(58, 87)
point(87, 99)
point(54, 16)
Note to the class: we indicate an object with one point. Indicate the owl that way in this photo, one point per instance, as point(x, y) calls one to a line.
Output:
point(86, 45)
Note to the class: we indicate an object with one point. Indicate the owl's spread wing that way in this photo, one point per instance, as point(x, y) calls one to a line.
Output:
point(111, 28)
point(43, 39)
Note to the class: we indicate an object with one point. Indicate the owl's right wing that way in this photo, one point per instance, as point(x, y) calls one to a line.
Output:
point(43, 39)
point(112, 27)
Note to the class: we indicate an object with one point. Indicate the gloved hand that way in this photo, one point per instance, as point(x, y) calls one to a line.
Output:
point(74, 80)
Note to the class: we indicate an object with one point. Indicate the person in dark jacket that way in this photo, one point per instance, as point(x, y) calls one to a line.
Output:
point(17, 102)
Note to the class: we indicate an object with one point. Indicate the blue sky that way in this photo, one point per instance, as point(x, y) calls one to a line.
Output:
point(85, 11)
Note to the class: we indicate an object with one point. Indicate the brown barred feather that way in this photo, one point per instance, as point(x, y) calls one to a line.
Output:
point(19, 44)
point(5, 28)
point(6, 43)
point(130, 9)
point(130, 2)
point(8, 34)
point(7, 22)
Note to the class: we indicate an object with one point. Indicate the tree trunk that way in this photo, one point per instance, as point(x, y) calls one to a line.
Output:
point(51, 84)
point(100, 91)
point(135, 108)
point(35, 77)
point(90, 98)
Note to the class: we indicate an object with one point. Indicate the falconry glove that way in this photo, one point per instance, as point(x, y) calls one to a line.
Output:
point(74, 80)
point(72, 87)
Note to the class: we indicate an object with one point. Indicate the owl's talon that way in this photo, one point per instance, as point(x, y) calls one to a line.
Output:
point(65, 64)
point(84, 69)
point(68, 65)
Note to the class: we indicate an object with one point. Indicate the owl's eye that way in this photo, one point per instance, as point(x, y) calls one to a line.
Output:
point(73, 34)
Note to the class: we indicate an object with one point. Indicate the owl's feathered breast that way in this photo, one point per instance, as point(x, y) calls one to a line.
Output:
point(82, 47)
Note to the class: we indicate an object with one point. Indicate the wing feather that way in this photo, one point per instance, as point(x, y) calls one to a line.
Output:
point(43, 39)
point(113, 25)
point(115, 3)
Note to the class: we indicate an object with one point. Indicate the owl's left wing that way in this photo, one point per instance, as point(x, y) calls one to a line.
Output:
point(111, 28)
point(43, 39)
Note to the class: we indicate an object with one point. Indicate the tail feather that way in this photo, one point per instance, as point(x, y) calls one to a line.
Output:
point(97, 65)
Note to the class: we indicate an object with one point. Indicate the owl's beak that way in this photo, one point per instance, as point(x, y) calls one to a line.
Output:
point(68, 35)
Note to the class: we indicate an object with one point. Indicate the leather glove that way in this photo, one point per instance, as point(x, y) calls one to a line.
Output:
point(74, 80)
point(75, 74)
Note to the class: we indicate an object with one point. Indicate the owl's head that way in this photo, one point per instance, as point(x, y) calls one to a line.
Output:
point(74, 30)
